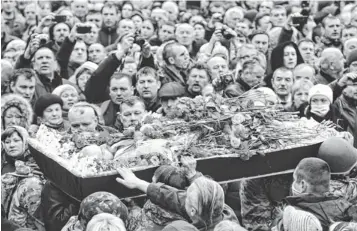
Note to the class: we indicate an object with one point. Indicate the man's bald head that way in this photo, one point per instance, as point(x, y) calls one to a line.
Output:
point(330, 52)
point(83, 117)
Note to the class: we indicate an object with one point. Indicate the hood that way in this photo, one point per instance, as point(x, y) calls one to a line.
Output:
point(13, 100)
point(277, 55)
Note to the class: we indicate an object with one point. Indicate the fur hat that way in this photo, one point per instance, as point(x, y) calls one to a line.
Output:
point(339, 154)
point(45, 101)
point(320, 89)
point(14, 100)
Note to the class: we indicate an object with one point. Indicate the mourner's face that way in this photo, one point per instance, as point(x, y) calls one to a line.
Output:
point(167, 104)
point(96, 53)
point(110, 16)
point(120, 89)
point(290, 57)
point(300, 97)
point(261, 42)
point(197, 80)
point(282, 83)
point(82, 80)
point(69, 98)
point(52, 115)
point(181, 57)
point(24, 87)
point(217, 66)
point(12, 116)
point(185, 34)
point(132, 115)
point(44, 62)
point(137, 21)
point(147, 29)
point(14, 145)
point(83, 122)
point(351, 92)
point(147, 87)
point(253, 76)
point(353, 67)
point(278, 17)
point(92, 37)
point(126, 26)
point(166, 32)
point(79, 8)
point(127, 11)
point(307, 50)
point(60, 32)
point(96, 19)
point(348, 34)
point(306, 73)
point(79, 53)
point(333, 28)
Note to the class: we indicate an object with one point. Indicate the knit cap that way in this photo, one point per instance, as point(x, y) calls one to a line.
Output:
point(320, 89)
point(352, 56)
point(45, 101)
point(172, 90)
point(339, 154)
point(299, 220)
point(60, 89)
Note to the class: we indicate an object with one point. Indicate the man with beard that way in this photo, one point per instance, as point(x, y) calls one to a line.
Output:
point(23, 83)
point(58, 33)
point(177, 60)
point(198, 78)
point(332, 28)
point(96, 53)
point(148, 85)
point(347, 106)
point(108, 34)
point(282, 82)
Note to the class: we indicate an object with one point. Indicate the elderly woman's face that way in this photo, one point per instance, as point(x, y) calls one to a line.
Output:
point(52, 115)
point(69, 98)
point(300, 97)
point(14, 145)
point(12, 116)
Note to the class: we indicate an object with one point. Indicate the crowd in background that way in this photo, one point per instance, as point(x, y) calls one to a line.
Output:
point(100, 66)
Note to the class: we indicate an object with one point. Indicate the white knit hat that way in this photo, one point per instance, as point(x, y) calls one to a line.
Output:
point(299, 220)
point(60, 89)
point(87, 65)
point(320, 89)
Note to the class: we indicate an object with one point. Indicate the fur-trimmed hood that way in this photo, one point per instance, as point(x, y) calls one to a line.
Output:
point(14, 100)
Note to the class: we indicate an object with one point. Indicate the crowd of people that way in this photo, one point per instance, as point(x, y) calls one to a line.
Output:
point(98, 65)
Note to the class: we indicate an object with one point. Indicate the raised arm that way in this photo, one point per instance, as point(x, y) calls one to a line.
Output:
point(96, 87)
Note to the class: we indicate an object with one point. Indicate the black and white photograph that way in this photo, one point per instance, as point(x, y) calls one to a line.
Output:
point(178, 115)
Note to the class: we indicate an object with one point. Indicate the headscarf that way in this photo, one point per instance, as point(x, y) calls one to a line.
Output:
point(14, 100)
point(101, 202)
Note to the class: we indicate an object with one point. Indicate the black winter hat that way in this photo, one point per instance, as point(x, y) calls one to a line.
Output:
point(45, 101)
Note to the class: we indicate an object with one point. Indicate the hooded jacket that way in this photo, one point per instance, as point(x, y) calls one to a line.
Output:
point(14, 100)
point(326, 208)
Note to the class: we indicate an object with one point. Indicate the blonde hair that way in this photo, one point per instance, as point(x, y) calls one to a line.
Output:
point(301, 84)
point(228, 226)
point(105, 222)
point(207, 198)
